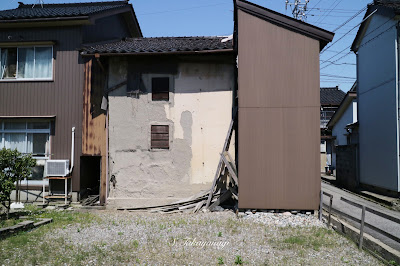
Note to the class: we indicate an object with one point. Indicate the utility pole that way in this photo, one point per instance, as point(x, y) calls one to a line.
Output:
point(298, 8)
point(40, 2)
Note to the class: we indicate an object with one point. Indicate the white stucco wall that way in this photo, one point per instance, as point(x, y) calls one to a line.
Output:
point(377, 100)
point(199, 113)
point(348, 117)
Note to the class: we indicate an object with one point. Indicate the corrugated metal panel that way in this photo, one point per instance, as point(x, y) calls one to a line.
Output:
point(278, 76)
point(61, 97)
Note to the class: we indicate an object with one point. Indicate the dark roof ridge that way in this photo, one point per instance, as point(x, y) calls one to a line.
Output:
point(322, 35)
point(99, 3)
point(331, 88)
point(175, 37)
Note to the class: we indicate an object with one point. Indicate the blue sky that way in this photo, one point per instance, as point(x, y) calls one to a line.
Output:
point(215, 17)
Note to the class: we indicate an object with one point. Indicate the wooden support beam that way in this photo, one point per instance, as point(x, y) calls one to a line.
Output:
point(220, 164)
point(230, 169)
point(227, 194)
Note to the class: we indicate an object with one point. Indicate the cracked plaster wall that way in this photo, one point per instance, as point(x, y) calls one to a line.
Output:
point(198, 113)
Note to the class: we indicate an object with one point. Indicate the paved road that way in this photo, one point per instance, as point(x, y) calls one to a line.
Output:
point(377, 221)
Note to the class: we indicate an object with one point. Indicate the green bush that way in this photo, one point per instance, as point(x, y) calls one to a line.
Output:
point(14, 166)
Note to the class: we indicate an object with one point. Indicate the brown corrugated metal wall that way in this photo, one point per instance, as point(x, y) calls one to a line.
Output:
point(61, 97)
point(278, 76)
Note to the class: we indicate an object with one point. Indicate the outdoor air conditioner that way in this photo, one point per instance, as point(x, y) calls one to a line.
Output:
point(57, 168)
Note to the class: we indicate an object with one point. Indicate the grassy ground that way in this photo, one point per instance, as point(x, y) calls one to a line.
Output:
point(120, 238)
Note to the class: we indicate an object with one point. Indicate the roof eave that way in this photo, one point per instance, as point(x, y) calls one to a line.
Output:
point(120, 10)
point(52, 19)
point(362, 29)
point(224, 51)
point(323, 36)
point(350, 96)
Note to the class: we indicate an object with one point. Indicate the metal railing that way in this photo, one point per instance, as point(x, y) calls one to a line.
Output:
point(361, 221)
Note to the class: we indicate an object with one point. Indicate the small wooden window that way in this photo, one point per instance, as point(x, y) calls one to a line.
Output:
point(160, 89)
point(159, 137)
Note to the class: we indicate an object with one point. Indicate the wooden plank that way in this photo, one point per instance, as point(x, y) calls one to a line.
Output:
point(160, 144)
point(197, 196)
point(160, 136)
point(386, 216)
point(193, 205)
point(362, 228)
point(161, 206)
point(230, 169)
point(160, 96)
point(231, 161)
point(226, 195)
point(345, 215)
point(160, 129)
point(234, 192)
point(198, 206)
point(225, 148)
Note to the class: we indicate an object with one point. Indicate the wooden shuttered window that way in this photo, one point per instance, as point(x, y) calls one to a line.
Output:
point(159, 137)
point(160, 89)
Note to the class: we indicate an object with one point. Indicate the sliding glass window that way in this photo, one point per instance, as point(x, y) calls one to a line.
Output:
point(26, 63)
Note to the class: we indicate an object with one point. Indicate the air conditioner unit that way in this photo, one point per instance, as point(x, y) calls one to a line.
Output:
point(57, 168)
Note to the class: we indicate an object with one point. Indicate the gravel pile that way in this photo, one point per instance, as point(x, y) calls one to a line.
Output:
point(284, 219)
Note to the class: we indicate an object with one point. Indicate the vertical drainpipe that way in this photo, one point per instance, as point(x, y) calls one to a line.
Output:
point(358, 120)
point(398, 101)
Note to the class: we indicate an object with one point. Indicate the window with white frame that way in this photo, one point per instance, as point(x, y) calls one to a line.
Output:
point(27, 137)
point(35, 62)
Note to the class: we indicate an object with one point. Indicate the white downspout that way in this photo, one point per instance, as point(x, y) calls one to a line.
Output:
point(72, 150)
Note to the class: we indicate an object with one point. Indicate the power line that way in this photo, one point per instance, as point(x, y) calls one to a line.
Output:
point(183, 9)
point(370, 40)
point(326, 12)
point(336, 76)
point(326, 48)
point(347, 21)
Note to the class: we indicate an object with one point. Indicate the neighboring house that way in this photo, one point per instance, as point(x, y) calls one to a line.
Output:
point(342, 122)
point(377, 49)
point(42, 79)
point(330, 99)
point(170, 104)
point(279, 106)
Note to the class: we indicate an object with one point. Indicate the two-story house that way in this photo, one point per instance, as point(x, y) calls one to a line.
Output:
point(42, 81)
point(330, 99)
point(377, 49)
point(169, 104)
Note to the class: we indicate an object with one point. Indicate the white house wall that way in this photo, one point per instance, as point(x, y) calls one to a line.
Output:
point(347, 117)
point(339, 131)
point(377, 100)
point(199, 114)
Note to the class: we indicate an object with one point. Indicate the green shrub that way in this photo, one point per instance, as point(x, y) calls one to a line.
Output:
point(14, 166)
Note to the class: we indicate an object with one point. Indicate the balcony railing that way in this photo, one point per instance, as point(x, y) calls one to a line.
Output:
point(325, 117)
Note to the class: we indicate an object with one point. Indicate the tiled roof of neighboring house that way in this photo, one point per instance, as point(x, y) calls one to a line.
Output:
point(373, 7)
point(161, 45)
point(388, 3)
point(331, 96)
point(36, 11)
